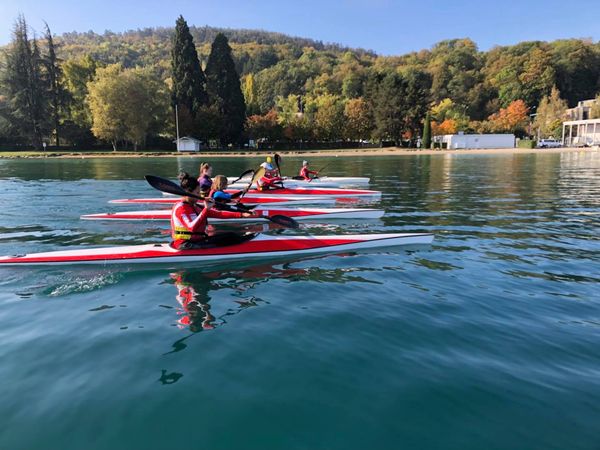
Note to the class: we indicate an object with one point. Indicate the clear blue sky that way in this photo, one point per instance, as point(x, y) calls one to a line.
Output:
point(389, 27)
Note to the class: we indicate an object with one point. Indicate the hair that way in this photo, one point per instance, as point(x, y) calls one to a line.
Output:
point(219, 183)
point(204, 167)
point(187, 182)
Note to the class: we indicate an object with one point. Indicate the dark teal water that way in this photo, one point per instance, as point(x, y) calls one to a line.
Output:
point(490, 339)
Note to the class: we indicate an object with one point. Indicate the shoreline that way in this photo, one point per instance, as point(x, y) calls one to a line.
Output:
point(388, 151)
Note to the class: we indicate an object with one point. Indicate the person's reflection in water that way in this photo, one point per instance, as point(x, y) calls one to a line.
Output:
point(195, 310)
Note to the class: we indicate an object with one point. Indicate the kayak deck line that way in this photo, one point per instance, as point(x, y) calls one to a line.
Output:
point(262, 246)
point(262, 213)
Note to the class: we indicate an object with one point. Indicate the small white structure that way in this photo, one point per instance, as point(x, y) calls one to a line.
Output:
point(581, 133)
point(460, 140)
point(188, 144)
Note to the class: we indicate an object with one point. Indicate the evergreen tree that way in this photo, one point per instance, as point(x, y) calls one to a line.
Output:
point(189, 91)
point(223, 85)
point(426, 141)
point(25, 86)
point(390, 109)
point(57, 92)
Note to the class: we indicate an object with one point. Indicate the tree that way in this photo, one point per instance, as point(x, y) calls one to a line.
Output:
point(426, 142)
point(225, 93)
point(329, 117)
point(390, 108)
point(25, 86)
point(358, 119)
point(57, 92)
point(448, 110)
point(264, 127)
point(126, 104)
point(550, 113)
point(189, 82)
point(512, 119)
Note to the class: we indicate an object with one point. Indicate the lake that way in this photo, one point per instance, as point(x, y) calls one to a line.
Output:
point(489, 338)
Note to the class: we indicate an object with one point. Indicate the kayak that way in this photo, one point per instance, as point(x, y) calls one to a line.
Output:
point(279, 201)
point(296, 213)
point(261, 246)
point(304, 191)
point(316, 182)
point(301, 192)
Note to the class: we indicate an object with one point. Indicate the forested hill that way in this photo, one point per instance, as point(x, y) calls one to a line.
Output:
point(481, 82)
point(153, 46)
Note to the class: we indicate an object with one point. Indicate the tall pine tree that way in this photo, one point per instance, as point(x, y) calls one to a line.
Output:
point(57, 92)
point(224, 90)
point(25, 86)
point(189, 91)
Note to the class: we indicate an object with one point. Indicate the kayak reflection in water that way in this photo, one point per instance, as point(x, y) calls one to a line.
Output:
point(189, 220)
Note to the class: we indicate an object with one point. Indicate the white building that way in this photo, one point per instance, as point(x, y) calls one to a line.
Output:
point(581, 133)
point(188, 144)
point(458, 141)
point(581, 111)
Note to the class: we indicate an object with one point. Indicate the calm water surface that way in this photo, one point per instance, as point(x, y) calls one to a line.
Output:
point(489, 339)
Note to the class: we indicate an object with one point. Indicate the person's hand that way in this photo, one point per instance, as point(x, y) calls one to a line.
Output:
point(209, 203)
point(249, 214)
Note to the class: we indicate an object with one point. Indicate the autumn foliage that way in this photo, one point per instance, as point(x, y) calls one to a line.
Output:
point(512, 119)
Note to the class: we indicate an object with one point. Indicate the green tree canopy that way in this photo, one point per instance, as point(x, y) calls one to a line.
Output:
point(225, 93)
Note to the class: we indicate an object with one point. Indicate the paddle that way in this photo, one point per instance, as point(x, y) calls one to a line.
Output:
point(257, 175)
point(243, 175)
point(168, 186)
point(278, 163)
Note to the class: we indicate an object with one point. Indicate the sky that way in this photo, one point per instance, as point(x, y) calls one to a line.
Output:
point(389, 27)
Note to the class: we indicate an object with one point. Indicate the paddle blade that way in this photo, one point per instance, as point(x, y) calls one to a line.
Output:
point(284, 221)
point(243, 175)
point(164, 185)
point(278, 163)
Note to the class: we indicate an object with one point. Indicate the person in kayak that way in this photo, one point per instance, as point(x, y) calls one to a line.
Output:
point(305, 173)
point(205, 178)
point(218, 193)
point(272, 178)
point(188, 220)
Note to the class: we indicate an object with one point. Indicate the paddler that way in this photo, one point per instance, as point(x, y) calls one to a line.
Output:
point(217, 191)
point(189, 220)
point(272, 178)
point(306, 173)
point(205, 178)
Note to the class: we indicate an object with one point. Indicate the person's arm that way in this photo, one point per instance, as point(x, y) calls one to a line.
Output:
point(219, 214)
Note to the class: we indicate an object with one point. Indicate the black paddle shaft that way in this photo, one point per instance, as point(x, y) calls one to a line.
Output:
point(169, 187)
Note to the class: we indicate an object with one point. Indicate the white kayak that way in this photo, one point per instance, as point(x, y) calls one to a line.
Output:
point(263, 201)
point(257, 247)
point(315, 182)
point(306, 214)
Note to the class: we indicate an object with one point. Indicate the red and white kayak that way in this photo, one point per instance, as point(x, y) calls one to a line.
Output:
point(315, 182)
point(304, 191)
point(260, 247)
point(279, 201)
point(307, 214)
